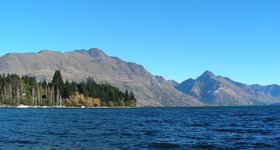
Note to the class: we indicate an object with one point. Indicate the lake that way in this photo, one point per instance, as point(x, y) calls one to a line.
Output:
point(141, 128)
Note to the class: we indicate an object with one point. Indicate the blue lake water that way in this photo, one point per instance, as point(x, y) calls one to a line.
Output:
point(141, 128)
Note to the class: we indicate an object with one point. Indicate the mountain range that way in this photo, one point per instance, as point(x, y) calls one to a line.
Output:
point(78, 65)
point(150, 90)
point(217, 90)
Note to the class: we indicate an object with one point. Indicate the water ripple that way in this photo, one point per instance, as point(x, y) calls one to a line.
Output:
point(141, 128)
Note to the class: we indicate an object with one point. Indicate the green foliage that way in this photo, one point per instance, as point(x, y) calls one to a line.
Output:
point(57, 79)
point(15, 90)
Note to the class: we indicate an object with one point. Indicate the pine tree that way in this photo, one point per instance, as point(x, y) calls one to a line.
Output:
point(57, 84)
point(15, 90)
point(57, 79)
point(83, 89)
point(126, 97)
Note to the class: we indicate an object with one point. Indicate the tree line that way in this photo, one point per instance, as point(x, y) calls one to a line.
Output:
point(26, 90)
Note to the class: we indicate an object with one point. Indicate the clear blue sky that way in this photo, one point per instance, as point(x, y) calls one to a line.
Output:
point(177, 39)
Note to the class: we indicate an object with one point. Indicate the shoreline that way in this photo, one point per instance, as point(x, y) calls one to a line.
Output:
point(117, 107)
point(59, 107)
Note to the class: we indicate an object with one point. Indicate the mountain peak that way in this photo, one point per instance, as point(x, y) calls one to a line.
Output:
point(93, 52)
point(207, 74)
point(47, 51)
point(96, 52)
point(172, 83)
point(218, 90)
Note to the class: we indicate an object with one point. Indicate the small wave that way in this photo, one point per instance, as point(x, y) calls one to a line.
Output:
point(241, 143)
point(163, 145)
point(126, 134)
point(270, 119)
point(199, 124)
point(150, 133)
point(262, 145)
point(227, 130)
point(263, 132)
point(55, 133)
point(246, 114)
point(245, 131)
point(22, 142)
point(203, 146)
point(87, 128)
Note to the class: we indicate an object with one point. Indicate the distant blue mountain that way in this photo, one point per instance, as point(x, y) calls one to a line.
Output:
point(217, 90)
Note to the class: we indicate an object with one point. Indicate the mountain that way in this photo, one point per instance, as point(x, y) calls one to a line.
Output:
point(173, 83)
point(217, 90)
point(275, 104)
point(81, 64)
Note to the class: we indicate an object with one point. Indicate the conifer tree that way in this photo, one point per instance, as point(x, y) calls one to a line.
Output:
point(57, 79)
point(15, 90)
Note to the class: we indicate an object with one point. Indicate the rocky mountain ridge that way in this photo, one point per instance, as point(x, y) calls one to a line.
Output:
point(78, 65)
point(217, 90)
point(150, 90)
